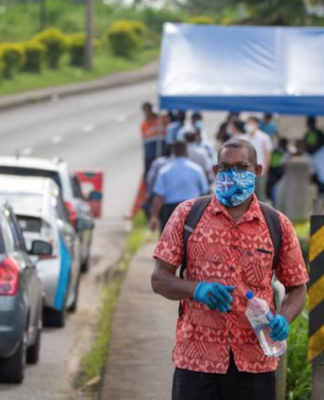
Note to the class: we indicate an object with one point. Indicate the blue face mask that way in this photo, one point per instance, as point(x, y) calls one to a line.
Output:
point(233, 188)
point(199, 125)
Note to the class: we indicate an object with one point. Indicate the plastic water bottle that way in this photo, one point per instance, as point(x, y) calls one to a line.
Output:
point(259, 316)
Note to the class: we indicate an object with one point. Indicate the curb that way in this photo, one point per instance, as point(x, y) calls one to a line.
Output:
point(146, 73)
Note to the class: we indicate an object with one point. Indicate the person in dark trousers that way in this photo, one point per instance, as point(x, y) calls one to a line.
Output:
point(180, 180)
point(153, 135)
point(217, 354)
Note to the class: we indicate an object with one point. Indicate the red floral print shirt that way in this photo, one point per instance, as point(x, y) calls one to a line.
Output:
point(228, 252)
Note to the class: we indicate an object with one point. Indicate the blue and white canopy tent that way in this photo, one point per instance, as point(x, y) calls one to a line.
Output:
point(261, 69)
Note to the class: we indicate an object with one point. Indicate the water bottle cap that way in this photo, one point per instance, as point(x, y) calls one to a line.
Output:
point(249, 295)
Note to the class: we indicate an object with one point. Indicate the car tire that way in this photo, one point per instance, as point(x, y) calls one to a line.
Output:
point(55, 319)
point(33, 351)
point(85, 265)
point(73, 307)
point(12, 369)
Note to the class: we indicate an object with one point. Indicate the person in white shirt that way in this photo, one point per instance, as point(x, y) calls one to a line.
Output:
point(264, 147)
point(197, 154)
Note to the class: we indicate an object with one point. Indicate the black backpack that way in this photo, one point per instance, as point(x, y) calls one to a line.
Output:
point(270, 214)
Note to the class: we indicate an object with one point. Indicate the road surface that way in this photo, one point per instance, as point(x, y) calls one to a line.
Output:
point(99, 130)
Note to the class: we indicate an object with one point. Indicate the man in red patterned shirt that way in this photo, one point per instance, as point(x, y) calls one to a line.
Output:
point(217, 355)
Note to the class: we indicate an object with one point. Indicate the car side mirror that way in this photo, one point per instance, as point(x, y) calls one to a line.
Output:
point(84, 224)
point(95, 196)
point(41, 248)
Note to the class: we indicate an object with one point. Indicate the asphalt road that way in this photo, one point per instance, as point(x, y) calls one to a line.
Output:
point(99, 130)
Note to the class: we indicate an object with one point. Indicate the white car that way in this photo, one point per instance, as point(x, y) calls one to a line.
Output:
point(68, 183)
point(41, 213)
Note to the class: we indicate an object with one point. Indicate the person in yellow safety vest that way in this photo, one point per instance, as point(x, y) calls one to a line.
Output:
point(153, 135)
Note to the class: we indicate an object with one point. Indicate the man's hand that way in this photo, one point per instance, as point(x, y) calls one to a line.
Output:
point(279, 328)
point(154, 223)
point(214, 295)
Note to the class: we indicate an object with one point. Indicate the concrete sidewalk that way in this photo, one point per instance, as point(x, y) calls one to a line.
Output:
point(139, 363)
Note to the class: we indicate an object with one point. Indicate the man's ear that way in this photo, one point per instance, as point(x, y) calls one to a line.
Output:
point(258, 170)
point(215, 169)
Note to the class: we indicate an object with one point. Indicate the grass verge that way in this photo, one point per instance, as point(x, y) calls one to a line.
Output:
point(94, 362)
point(105, 65)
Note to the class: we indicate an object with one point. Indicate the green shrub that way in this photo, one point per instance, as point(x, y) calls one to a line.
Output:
point(140, 29)
point(76, 46)
point(125, 37)
point(299, 372)
point(13, 56)
point(55, 44)
point(2, 65)
point(35, 52)
point(202, 20)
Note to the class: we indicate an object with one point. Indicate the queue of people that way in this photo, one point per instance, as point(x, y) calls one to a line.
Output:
point(171, 139)
point(273, 150)
point(178, 162)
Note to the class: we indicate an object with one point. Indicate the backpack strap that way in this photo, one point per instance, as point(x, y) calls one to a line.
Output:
point(273, 221)
point(192, 220)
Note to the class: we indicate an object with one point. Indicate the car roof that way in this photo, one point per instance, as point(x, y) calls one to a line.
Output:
point(29, 196)
point(30, 162)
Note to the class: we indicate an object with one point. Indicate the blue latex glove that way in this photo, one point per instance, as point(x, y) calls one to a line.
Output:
point(214, 295)
point(279, 328)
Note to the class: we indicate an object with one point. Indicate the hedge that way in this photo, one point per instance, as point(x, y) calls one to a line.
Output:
point(35, 53)
point(13, 57)
point(55, 44)
point(2, 65)
point(76, 46)
point(125, 37)
point(202, 20)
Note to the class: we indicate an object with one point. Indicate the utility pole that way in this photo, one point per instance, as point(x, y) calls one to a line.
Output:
point(88, 53)
point(43, 15)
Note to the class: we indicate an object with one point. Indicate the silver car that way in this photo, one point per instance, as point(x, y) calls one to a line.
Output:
point(77, 206)
point(41, 212)
point(21, 299)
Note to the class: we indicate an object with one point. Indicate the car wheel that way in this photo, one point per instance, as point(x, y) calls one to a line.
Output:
point(12, 370)
point(73, 307)
point(55, 319)
point(85, 265)
point(34, 350)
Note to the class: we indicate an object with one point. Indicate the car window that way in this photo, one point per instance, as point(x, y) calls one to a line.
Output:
point(32, 172)
point(9, 239)
point(61, 210)
point(17, 233)
point(76, 188)
point(2, 244)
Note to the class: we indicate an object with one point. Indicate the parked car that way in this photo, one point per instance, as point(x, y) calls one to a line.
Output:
point(21, 299)
point(41, 213)
point(77, 206)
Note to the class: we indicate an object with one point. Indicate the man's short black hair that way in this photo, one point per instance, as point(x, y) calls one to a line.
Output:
point(255, 119)
point(147, 105)
point(180, 149)
point(240, 144)
point(239, 125)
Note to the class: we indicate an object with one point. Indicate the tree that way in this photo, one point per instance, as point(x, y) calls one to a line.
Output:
point(276, 12)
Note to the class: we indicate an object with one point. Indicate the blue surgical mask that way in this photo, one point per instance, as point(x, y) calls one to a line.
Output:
point(234, 187)
point(199, 125)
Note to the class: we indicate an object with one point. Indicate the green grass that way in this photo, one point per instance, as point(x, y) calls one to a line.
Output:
point(302, 229)
point(299, 372)
point(105, 64)
point(94, 362)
